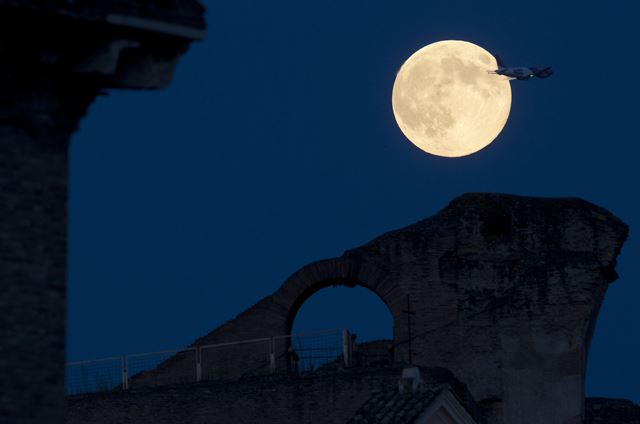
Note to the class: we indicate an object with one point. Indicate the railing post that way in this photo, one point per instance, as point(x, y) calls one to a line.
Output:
point(198, 364)
point(125, 373)
point(346, 347)
point(272, 355)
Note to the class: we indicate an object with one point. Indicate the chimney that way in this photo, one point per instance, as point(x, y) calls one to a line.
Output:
point(410, 381)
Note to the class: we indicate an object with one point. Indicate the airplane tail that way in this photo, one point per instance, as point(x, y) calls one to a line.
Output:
point(542, 72)
point(500, 62)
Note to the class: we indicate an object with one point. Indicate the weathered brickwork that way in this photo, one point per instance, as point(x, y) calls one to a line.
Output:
point(57, 55)
point(321, 398)
point(37, 118)
point(506, 291)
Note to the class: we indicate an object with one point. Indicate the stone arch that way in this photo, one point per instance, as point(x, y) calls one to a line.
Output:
point(348, 272)
point(273, 315)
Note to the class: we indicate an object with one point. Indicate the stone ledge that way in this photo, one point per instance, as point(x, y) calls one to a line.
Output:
point(188, 14)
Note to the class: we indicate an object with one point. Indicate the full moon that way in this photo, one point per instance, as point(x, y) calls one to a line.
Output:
point(447, 103)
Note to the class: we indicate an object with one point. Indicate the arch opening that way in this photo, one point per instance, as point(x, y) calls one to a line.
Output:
point(319, 316)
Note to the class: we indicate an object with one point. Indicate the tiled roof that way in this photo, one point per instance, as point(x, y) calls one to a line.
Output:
point(391, 407)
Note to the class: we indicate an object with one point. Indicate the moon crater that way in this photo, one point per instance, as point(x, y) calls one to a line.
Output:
point(447, 103)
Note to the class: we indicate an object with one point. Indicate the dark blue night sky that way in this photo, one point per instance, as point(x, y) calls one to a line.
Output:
point(276, 146)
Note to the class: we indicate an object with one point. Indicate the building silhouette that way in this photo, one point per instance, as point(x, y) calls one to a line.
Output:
point(504, 290)
point(57, 56)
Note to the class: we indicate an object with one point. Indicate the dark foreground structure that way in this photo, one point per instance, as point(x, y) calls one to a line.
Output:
point(506, 292)
point(57, 56)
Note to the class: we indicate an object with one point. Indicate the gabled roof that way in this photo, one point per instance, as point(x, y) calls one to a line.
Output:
point(419, 407)
point(392, 407)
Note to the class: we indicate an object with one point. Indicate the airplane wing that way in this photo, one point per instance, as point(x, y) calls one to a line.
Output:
point(542, 72)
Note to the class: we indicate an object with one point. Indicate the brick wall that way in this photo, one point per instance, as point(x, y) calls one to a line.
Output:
point(38, 113)
point(319, 398)
point(506, 291)
point(53, 63)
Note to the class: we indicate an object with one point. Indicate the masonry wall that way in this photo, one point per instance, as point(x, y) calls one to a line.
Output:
point(330, 398)
point(38, 113)
point(319, 398)
point(56, 55)
point(505, 289)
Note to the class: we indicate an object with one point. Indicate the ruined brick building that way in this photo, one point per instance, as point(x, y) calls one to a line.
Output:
point(506, 289)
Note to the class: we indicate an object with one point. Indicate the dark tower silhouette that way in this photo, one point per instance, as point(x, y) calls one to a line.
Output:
point(56, 57)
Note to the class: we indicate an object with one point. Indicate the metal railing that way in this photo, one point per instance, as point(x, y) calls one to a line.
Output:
point(99, 375)
point(293, 353)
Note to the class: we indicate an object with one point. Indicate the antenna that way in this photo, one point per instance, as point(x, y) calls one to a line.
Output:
point(409, 313)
